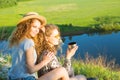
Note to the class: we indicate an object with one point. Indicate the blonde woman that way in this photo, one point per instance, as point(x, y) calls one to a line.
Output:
point(51, 44)
point(23, 42)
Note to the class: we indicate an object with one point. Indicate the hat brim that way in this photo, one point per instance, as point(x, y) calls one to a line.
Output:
point(40, 18)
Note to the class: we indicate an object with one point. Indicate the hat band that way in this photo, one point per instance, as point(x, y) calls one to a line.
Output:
point(29, 15)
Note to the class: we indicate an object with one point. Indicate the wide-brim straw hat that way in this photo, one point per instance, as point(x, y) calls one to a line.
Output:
point(31, 15)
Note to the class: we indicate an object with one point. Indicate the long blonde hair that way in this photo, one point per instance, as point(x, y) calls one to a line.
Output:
point(40, 42)
point(21, 31)
point(44, 45)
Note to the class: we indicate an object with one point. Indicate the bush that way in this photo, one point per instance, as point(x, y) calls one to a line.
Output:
point(7, 3)
point(107, 19)
point(106, 23)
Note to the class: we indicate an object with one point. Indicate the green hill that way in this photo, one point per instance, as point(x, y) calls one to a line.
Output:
point(75, 12)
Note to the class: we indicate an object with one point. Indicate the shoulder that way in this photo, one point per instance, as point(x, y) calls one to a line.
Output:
point(28, 43)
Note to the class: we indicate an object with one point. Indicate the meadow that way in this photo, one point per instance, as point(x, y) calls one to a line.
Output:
point(76, 12)
point(72, 16)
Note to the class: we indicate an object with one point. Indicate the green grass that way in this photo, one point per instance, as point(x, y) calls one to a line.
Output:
point(5, 63)
point(90, 67)
point(97, 68)
point(75, 12)
point(72, 16)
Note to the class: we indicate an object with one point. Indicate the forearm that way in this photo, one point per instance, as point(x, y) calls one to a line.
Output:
point(67, 64)
point(36, 67)
point(68, 67)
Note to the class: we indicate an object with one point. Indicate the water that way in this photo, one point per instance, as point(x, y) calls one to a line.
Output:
point(4, 47)
point(107, 45)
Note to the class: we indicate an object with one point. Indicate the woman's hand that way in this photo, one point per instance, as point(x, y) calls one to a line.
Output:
point(71, 52)
point(48, 56)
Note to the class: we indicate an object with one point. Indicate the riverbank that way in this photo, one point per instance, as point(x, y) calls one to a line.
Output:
point(65, 31)
point(71, 33)
point(90, 67)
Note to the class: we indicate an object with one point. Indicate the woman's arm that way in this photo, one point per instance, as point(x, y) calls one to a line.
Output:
point(67, 62)
point(32, 67)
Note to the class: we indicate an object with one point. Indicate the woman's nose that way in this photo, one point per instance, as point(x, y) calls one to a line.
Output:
point(37, 30)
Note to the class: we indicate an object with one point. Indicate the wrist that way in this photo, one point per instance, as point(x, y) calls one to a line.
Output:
point(68, 62)
point(68, 57)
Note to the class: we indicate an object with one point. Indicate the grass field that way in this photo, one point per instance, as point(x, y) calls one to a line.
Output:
point(75, 12)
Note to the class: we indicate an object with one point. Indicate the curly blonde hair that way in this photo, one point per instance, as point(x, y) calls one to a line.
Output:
point(21, 31)
point(43, 44)
point(40, 42)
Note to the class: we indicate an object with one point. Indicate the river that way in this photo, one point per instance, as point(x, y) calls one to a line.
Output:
point(107, 45)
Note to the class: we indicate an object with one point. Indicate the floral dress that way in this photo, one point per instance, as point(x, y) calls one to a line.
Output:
point(55, 64)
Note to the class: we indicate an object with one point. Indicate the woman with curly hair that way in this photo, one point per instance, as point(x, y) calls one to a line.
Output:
point(52, 43)
point(23, 42)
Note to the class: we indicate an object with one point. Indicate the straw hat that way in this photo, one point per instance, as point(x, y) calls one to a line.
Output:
point(31, 15)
